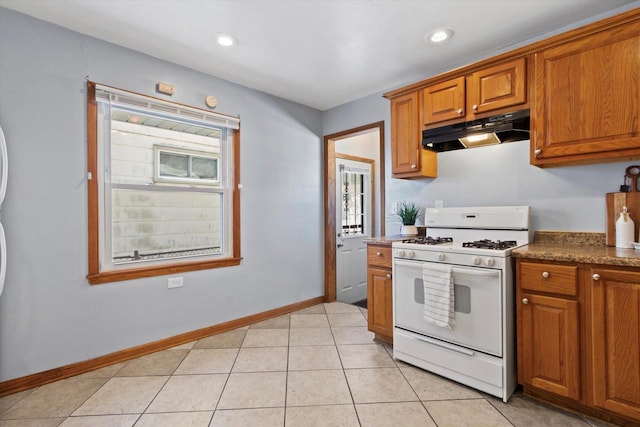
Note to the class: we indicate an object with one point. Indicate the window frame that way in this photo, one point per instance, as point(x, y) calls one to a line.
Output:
point(190, 154)
point(95, 276)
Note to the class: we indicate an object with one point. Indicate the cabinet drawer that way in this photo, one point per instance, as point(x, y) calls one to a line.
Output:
point(557, 279)
point(379, 256)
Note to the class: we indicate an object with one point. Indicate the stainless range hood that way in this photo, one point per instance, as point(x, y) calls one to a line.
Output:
point(491, 130)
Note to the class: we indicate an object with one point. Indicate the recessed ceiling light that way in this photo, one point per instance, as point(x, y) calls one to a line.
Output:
point(439, 35)
point(226, 40)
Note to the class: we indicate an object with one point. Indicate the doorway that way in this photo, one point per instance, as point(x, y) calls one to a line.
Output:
point(351, 141)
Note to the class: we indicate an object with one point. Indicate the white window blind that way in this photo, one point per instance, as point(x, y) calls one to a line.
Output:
point(158, 106)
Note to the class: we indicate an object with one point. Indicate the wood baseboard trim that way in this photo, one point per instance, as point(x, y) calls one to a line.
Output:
point(384, 339)
point(577, 408)
point(34, 380)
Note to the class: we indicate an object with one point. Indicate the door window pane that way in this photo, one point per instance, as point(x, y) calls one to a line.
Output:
point(353, 215)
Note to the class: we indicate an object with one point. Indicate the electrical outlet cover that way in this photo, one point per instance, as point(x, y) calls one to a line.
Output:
point(175, 282)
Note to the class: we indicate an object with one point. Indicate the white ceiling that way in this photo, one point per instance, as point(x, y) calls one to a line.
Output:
point(320, 53)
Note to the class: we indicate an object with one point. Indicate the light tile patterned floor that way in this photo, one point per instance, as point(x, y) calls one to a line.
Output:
point(315, 367)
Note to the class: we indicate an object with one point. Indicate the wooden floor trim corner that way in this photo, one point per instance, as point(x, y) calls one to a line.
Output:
point(34, 380)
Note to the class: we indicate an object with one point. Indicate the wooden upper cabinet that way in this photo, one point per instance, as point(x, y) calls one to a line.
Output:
point(405, 133)
point(408, 158)
point(496, 87)
point(587, 99)
point(489, 89)
point(615, 340)
point(443, 101)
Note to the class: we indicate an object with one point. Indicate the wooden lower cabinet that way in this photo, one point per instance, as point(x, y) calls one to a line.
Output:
point(548, 327)
point(549, 344)
point(380, 292)
point(379, 301)
point(614, 322)
point(579, 344)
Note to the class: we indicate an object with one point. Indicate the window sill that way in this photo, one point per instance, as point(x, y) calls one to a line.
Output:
point(138, 273)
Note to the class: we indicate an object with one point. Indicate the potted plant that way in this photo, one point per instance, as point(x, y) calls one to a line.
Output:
point(408, 213)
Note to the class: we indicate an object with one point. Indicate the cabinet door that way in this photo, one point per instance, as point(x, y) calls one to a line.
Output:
point(379, 301)
point(406, 137)
point(500, 86)
point(408, 158)
point(615, 341)
point(548, 344)
point(587, 99)
point(443, 101)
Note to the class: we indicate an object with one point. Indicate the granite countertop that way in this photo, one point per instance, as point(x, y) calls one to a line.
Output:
point(383, 240)
point(577, 247)
point(565, 246)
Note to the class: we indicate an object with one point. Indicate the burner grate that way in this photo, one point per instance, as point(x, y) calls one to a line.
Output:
point(429, 240)
point(490, 244)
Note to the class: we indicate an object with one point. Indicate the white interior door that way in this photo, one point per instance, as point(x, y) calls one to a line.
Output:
point(353, 224)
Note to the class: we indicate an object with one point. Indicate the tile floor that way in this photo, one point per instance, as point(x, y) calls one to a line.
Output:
point(315, 367)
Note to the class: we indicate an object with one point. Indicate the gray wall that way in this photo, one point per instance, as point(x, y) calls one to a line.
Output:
point(564, 198)
point(49, 315)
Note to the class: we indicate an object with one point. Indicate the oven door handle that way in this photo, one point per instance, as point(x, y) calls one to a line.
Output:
point(445, 345)
point(419, 264)
point(404, 263)
point(478, 272)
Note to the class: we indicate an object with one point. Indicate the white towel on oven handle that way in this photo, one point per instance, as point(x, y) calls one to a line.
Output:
point(438, 295)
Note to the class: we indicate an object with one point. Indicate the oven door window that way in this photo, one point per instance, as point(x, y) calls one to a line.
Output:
point(477, 303)
point(462, 296)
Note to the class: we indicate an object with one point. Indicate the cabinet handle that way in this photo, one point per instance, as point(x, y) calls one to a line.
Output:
point(378, 253)
point(459, 111)
point(545, 274)
point(475, 107)
point(525, 301)
point(596, 276)
point(413, 166)
point(388, 276)
point(537, 152)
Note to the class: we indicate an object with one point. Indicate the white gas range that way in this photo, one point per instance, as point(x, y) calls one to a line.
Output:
point(472, 245)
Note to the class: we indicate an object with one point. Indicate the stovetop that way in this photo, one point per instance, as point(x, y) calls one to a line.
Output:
point(479, 244)
point(490, 244)
point(472, 246)
point(428, 240)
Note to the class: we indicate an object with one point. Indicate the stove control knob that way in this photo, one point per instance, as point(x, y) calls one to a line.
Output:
point(476, 260)
point(400, 253)
point(490, 261)
point(411, 254)
point(441, 257)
